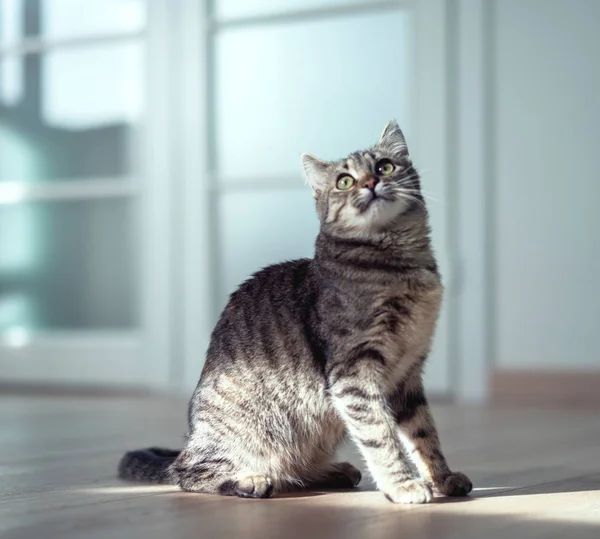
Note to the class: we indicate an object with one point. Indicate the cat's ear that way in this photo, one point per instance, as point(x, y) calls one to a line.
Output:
point(314, 170)
point(392, 139)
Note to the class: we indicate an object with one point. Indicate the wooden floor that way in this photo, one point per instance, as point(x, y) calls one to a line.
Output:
point(536, 473)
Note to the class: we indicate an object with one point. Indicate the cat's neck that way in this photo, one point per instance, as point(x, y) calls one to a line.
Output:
point(407, 241)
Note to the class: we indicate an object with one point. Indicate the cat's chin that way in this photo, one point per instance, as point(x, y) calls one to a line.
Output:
point(381, 213)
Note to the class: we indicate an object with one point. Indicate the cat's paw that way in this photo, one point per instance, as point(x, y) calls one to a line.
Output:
point(456, 484)
point(411, 491)
point(254, 486)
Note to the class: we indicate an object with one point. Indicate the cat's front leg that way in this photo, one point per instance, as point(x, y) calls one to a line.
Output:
point(417, 431)
point(359, 397)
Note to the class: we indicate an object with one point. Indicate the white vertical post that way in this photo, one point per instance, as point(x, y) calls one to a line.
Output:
point(430, 151)
point(197, 228)
point(474, 187)
point(155, 204)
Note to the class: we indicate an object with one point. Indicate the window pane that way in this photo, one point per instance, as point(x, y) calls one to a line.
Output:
point(258, 228)
point(12, 13)
point(325, 87)
point(243, 8)
point(76, 18)
point(11, 82)
point(67, 265)
point(71, 113)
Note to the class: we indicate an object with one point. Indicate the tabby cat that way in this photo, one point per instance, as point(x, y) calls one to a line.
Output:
point(310, 350)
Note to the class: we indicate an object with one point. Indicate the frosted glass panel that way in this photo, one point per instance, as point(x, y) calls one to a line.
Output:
point(260, 228)
point(325, 87)
point(242, 8)
point(67, 265)
point(75, 18)
point(12, 17)
point(60, 19)
point(71, 113)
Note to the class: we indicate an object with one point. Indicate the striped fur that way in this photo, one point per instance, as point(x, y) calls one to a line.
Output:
point(308, 351)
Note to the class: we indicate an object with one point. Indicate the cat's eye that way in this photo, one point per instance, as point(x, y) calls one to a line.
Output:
point(385, 167)
point(345, 182)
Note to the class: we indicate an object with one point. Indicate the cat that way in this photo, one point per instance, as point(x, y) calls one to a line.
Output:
point(308, 351)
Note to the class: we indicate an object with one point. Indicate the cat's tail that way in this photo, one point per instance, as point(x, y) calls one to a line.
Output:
point(149, 465)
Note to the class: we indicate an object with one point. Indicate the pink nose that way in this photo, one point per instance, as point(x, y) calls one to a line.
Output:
point(371, 182)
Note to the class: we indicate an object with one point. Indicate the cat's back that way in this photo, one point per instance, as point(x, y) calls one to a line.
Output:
point(282, 288)
point(266, 322)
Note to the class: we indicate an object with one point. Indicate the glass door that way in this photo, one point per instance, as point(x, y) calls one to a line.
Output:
point(74, 192)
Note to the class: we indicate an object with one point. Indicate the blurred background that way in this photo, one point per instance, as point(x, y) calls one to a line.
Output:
point(149, 162)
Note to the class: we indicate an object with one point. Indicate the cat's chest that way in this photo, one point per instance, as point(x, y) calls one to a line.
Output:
point(393, 308)
point(400, 321)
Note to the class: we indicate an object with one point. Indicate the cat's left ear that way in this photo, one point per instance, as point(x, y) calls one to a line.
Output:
point(392, 139)
point(314, 170)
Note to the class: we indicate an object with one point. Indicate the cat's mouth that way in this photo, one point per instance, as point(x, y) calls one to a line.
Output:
point(374, 200)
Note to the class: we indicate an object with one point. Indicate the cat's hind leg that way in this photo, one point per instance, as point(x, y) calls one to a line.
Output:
point(248, 486)
point(244, 485)
point(217, 475)
point(340, 475)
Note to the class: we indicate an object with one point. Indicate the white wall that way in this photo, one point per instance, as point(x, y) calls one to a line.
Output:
point(546, 152)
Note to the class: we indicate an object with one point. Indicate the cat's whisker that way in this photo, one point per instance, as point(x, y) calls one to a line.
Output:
point(407, 179)
point(433, 200)
point(420, 171)
point(412, 198)
point(400, 189)
point(425, 194)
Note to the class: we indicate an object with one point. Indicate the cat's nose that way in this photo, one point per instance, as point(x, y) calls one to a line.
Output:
point(371, 182)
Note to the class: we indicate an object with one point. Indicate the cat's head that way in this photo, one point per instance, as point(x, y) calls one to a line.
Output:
point(368, 190)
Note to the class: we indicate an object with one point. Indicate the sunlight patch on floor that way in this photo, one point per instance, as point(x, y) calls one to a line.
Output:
point(129, 489)
point(487, 489)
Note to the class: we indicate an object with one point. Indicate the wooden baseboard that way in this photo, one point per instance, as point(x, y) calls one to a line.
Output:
point(546, 387)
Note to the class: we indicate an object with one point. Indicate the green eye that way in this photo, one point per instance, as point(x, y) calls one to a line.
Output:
point(385, 167)
point(345, 182)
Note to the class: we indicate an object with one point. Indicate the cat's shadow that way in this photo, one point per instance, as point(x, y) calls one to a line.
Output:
point(298, 494)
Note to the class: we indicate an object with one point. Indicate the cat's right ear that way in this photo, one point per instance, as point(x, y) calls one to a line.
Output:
point(392, 139)
point(314, 170)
